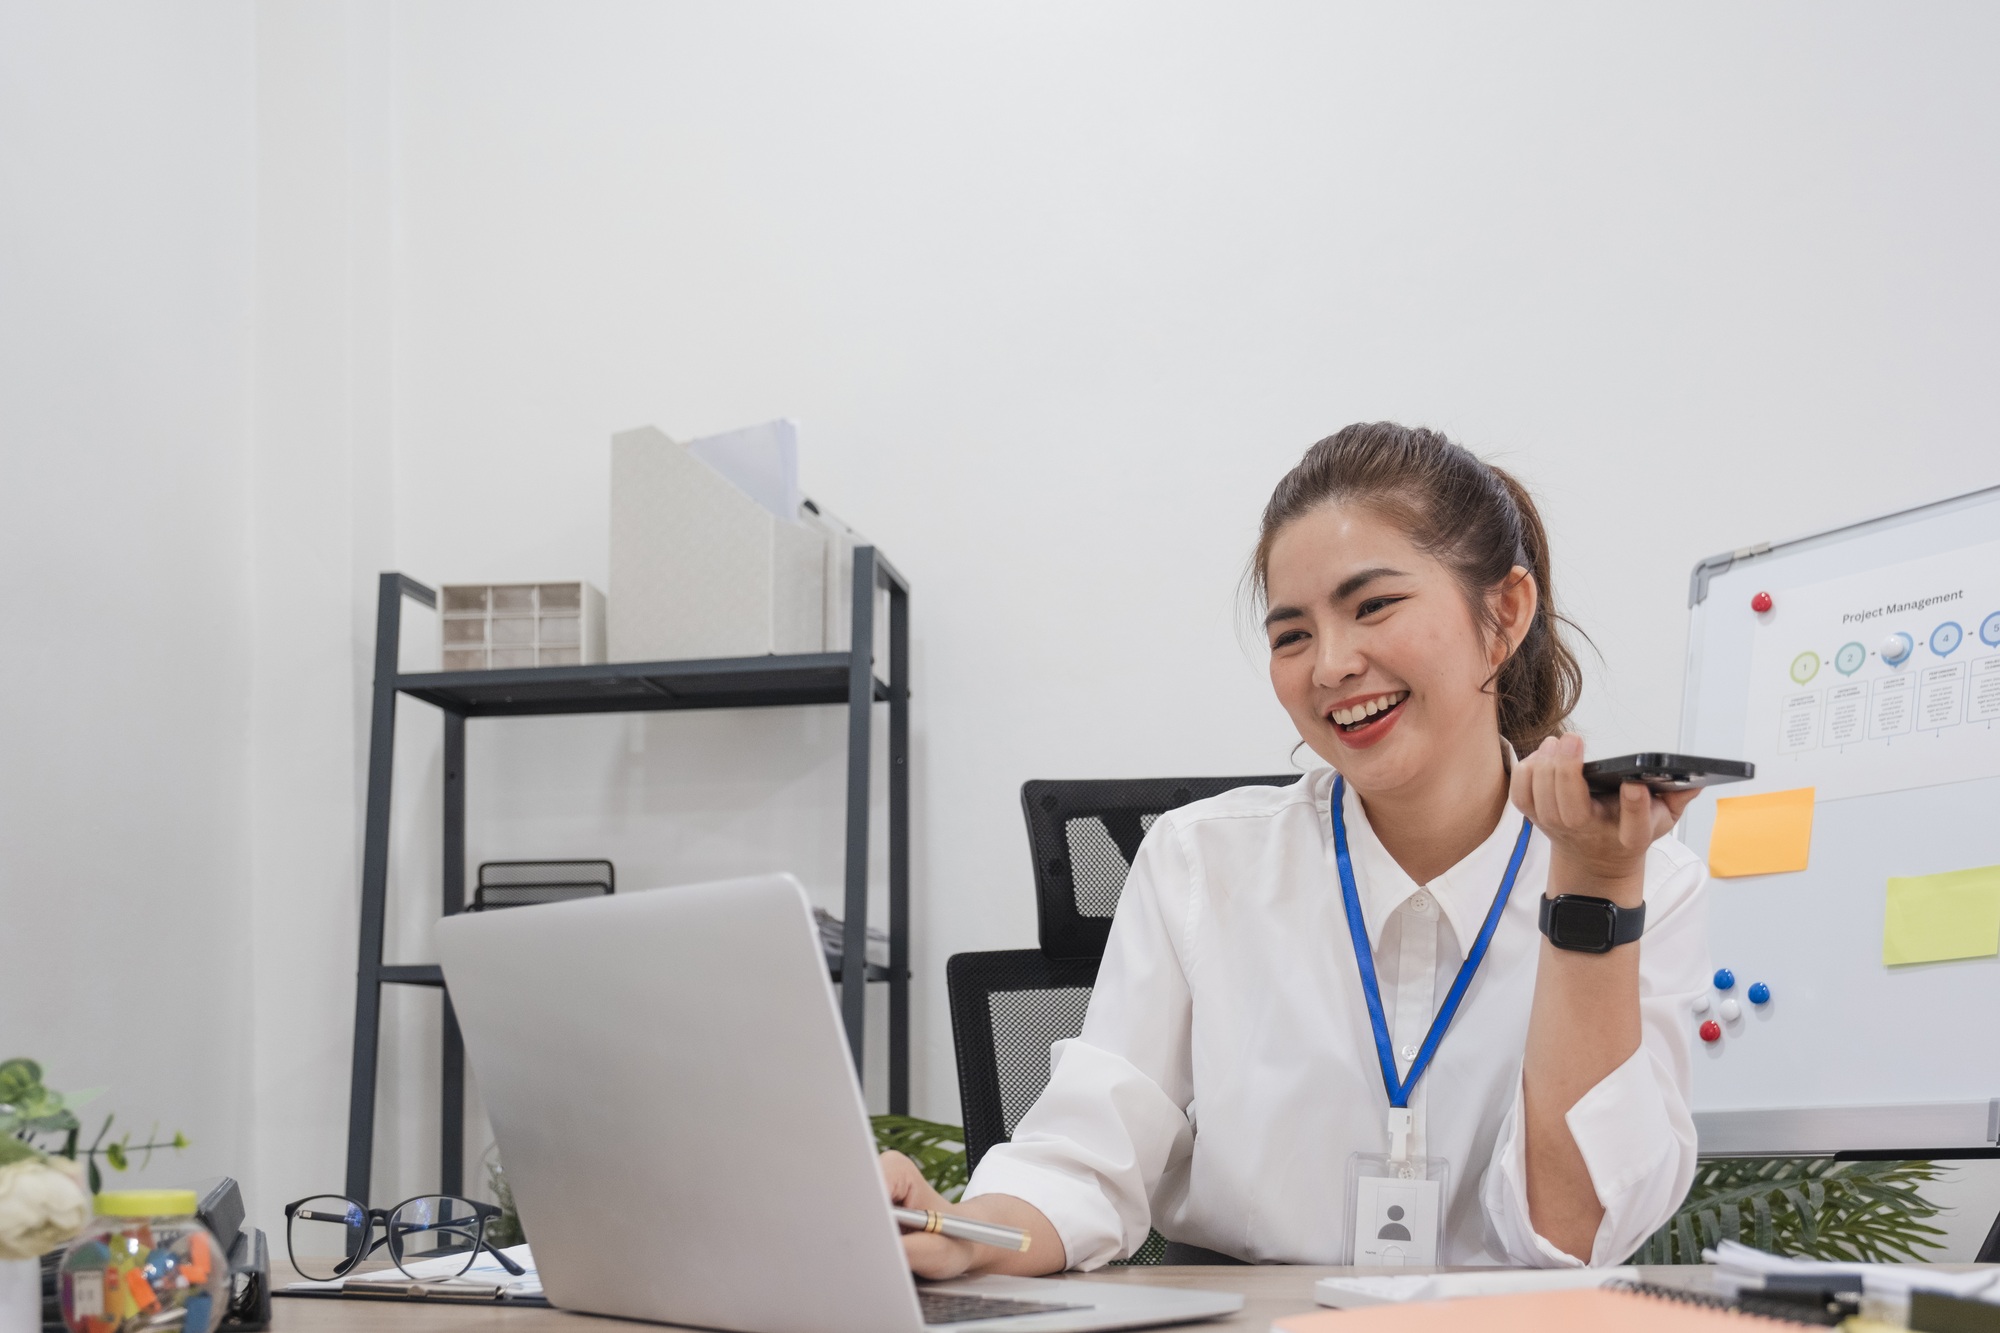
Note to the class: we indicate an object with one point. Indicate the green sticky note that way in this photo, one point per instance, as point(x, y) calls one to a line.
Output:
point(1932, 918)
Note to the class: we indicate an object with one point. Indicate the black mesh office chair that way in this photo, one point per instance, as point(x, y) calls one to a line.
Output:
point(1009, 1006)
point(1083, 836)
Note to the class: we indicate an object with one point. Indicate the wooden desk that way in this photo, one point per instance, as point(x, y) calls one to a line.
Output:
point(1271, 1292)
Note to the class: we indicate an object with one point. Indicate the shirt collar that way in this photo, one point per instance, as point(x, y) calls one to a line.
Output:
point(1464, 893)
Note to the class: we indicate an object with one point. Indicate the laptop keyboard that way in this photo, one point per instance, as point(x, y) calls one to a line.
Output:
point(958, 1307)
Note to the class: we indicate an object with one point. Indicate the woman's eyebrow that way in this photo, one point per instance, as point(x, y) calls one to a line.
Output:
point(1279, 613)
point(1354, 583)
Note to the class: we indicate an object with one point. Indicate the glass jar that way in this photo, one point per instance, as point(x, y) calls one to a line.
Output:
point(143, 1256)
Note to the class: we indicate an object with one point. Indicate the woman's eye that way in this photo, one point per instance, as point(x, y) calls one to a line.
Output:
point(1289, 637)
point(1374, 604)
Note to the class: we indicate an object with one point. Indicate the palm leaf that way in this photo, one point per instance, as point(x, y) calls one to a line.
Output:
point(937, 1149)
point(1812, 1207)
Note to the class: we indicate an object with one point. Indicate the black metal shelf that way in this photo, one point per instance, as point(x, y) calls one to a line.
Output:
point(777, 681)
point(430, 974)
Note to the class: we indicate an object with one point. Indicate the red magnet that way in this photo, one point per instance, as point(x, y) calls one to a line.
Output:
point(1761, 603)
point(1711, 1031)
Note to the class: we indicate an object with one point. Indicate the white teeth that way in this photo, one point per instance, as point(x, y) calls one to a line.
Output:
point(1347, 717)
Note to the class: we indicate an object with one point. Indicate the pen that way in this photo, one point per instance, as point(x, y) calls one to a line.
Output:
point(962, 1228)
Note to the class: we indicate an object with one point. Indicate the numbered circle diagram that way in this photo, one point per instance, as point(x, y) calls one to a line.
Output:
point(1946, 638)
point(1989, 630)
point(1897, 647)
point(1852, 657)
point(1804, 667)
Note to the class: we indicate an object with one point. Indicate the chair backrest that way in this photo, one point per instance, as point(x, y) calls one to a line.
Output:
point(1082, 837)
point(1007, 1008)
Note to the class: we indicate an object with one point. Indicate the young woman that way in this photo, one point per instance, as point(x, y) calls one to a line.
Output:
point(1239, 1080)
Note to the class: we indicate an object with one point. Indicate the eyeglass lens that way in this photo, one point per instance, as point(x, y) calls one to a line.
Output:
point(437, 1230)
point(327, 1236)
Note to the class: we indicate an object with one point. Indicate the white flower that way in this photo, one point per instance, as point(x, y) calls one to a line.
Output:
point(43, 1204)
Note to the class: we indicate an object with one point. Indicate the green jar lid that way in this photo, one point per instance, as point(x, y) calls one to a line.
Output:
point(147, 1203)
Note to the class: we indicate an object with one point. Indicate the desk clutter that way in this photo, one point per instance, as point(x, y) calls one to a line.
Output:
point(177, 1259)
point(1862, 1297)
point(447, 1280)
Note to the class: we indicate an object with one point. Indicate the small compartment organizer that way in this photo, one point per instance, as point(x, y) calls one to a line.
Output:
point(493, 626)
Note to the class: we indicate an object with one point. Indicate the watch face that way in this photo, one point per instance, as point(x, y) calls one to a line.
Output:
point(1580, 923)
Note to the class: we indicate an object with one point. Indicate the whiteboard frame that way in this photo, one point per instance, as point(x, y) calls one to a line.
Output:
point(1921, 1130)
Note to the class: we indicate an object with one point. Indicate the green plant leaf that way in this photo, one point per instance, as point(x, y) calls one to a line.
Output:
point(938, 1149)
point(114, 1153)
point(15, 1150)
point(1813, 1207)
point(20, 1080)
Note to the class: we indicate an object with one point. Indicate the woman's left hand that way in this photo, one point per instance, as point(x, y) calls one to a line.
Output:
point(1599, 842)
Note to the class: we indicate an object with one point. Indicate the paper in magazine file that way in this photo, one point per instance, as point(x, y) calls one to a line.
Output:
point(485, 1278)
point(1578, 1310)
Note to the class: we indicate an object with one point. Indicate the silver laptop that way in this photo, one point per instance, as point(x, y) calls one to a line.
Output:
point(682, 1129)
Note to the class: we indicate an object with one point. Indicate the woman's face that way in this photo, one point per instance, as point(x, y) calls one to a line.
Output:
point(1374, 651)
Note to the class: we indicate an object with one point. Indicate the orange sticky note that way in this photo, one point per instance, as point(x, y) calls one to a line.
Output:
point(1766, 834)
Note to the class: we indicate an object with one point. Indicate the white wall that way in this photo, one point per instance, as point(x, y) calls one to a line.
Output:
point(1057, 293)
point(126, 169)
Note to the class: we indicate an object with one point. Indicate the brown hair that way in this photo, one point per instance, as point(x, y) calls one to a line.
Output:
point(1475, 518)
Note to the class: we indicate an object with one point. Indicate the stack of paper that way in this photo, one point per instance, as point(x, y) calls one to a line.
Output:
point(1740, 1267)
point(485, 1278)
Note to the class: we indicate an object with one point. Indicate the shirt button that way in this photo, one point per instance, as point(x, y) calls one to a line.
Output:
point(1421, 904)
point(1410, 1052)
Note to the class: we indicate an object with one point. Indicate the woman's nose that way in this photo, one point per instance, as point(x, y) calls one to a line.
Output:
point(1336, 662)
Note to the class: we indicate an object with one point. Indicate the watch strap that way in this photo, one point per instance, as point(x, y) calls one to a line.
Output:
point(1627, 923)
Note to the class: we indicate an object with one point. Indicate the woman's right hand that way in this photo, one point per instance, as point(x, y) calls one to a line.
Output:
point(930, 1256)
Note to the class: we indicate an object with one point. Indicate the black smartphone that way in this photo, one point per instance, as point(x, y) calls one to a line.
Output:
point(1664, 772)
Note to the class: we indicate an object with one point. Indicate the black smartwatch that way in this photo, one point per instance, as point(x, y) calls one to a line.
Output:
point(1590, 925)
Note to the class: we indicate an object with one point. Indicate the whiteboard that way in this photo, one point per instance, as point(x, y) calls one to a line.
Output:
point(1904, 755)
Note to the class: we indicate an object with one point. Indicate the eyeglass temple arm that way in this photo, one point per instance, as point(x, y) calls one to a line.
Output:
point(512, 1268)
point(501, 1255)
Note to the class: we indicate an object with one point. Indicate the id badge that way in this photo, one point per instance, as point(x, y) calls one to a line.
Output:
point(1396, 1209)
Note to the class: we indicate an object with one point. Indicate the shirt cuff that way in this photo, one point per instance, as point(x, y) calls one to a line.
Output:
point(1632, 1149)
point(1089, 1152)
point(1077, 1209)
point(1622, 1129)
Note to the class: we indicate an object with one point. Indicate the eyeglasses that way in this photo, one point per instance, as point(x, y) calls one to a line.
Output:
point(328, 1235)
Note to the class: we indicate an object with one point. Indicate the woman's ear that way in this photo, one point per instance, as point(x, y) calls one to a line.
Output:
point(1513, 605)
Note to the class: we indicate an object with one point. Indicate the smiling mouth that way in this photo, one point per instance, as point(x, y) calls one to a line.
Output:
point(1367, 711)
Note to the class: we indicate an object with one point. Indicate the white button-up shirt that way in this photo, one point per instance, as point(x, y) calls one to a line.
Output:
point(1227, 1067)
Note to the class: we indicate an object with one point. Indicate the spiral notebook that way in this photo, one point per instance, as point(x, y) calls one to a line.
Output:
point(1629, 1309)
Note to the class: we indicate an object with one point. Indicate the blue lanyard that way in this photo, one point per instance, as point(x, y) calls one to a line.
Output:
point(1399, 1092)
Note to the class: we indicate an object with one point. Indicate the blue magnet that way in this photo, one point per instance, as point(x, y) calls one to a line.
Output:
point(1724, 978)
point(1759, 993)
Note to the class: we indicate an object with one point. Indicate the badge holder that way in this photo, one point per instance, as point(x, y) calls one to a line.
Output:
point(1395, 1202)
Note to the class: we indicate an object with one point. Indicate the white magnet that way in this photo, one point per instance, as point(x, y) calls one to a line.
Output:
point(1731, 1010)
point(1701, 1004)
